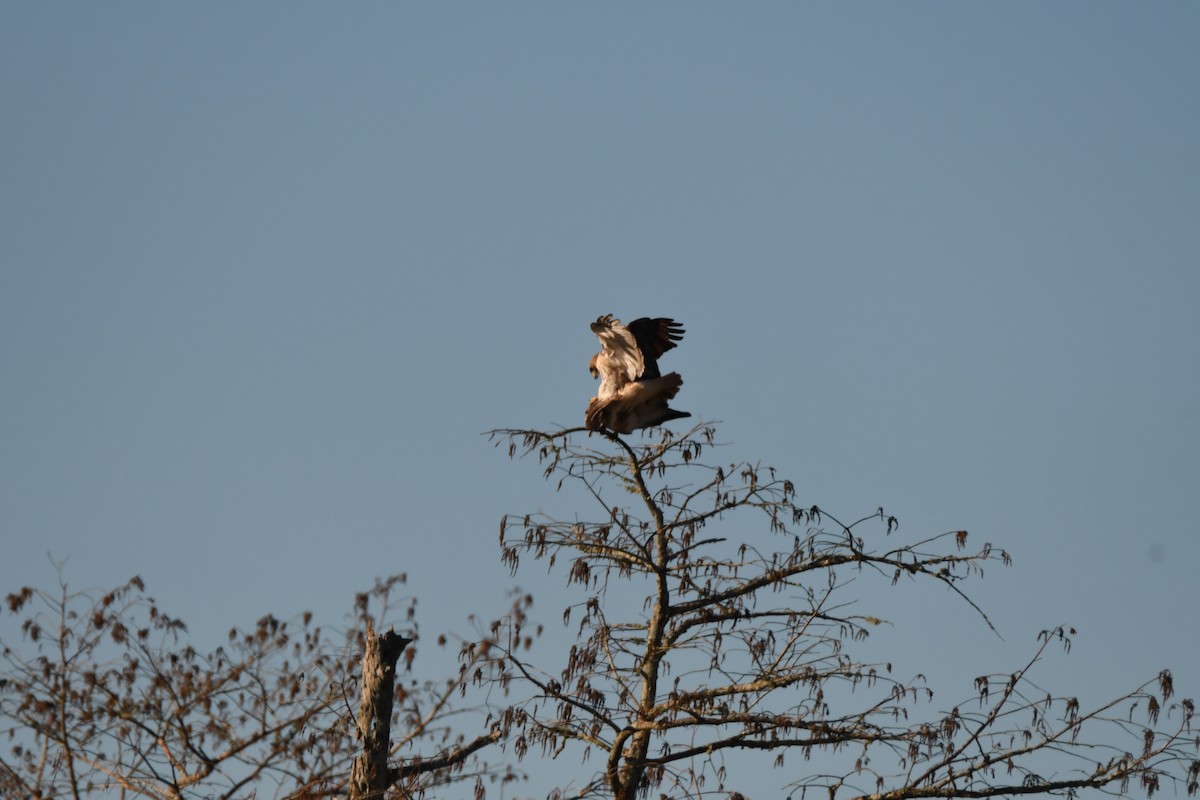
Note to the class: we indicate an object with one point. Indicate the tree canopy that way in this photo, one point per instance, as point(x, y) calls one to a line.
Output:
point(104, 696)
point(715, 626)
point(715, 647)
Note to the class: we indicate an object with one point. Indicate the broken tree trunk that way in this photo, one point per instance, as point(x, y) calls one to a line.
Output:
point(369, 774)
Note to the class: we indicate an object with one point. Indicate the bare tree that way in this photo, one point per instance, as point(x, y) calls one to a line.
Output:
point(714, 625)
point(713, 630)
point(102, 696)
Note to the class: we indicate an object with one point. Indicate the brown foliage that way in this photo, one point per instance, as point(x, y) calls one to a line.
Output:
point(105, 696)
point(713, 624)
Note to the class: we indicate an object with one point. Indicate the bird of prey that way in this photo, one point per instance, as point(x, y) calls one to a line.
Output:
point(633, 393)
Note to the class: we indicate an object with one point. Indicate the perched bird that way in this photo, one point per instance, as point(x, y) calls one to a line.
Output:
point(633, 393)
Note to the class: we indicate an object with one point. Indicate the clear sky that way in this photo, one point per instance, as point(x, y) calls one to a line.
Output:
point(268, 270)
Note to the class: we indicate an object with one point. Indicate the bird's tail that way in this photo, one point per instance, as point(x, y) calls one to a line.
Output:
point(671, 414)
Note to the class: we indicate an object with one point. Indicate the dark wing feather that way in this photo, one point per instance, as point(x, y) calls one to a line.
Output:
point(654, 337)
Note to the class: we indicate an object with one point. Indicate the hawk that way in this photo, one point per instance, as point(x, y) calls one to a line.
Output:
point(633, 393)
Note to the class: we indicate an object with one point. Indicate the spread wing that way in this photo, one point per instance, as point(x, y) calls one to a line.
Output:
point(653, 338)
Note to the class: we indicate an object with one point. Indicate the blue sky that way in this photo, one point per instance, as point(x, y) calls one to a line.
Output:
point(268, 271)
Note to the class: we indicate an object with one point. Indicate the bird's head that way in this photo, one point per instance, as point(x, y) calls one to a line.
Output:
point(592, 367)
